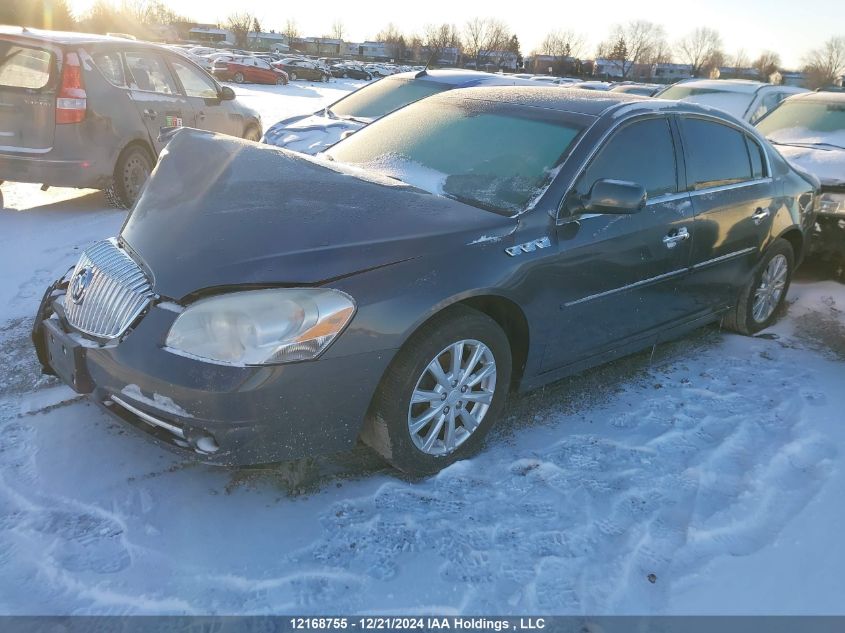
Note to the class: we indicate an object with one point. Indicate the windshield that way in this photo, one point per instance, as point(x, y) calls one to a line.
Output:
point(494, 156)
point(806, 122)
point(382, 97)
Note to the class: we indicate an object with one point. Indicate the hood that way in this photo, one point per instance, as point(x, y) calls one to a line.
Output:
point(309, 134)
point(825, 163)
point(219, 211)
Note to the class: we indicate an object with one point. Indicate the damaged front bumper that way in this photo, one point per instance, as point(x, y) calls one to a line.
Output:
point(225, 414)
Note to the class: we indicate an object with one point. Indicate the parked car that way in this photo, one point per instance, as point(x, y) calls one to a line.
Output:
point(809, 131)
point(472, 243)
point(344, 71)
point(313, 133)
point(248, 70)
point(591, 85)
point(379, 70)
point(86, 110)
point(644, 90)
point(745, 99)
point(302, 69)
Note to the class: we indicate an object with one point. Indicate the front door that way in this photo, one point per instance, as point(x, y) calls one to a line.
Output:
point(155, 94)
point(618, 277)
point(734, 202)
point(209, 111)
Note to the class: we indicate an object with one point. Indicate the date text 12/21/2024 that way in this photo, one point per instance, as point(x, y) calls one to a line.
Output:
point(417, 623)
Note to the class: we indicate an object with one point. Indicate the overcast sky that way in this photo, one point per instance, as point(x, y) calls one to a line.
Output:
point(790, 27)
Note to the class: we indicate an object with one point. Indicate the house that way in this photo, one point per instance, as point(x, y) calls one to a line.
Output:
point(666, 72)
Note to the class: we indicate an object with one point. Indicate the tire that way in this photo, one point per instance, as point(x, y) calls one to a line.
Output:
point(387, 429)
point(1, 200)
point(346, 75)
point(239, 78)
point(280, 81)
point(762, 298)
point(131, 171)
point(252, 133)
point(292, 76)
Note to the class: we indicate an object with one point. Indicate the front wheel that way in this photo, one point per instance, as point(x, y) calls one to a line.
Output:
point(292, 76)
point(442, 392)
point(239, 78)
point(280, 81)
point(763, 296)
point(252, 133)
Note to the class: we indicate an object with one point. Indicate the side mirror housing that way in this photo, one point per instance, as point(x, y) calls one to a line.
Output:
point(618, 197)
point(226, 93)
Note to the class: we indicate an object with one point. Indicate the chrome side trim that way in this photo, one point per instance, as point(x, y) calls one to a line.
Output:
point(736, 185)
point(24, 150)
point(722, 258)
point(637, 284)
point(149, 419)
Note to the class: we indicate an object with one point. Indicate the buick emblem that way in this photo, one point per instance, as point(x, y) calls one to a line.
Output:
point(80, 282)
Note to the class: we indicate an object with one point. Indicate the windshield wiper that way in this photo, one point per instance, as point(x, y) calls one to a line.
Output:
point(810, 145)
point(476, 203)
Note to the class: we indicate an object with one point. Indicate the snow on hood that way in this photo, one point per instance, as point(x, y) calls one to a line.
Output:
point(826, 163)
point(311, 134)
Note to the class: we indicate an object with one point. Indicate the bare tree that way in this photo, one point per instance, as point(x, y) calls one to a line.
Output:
point(239, 24)
point(825, 66)
point(338, 29)
point(438, 38)
point(291, 31)
point(740, 60)
point(698, 48)
point(562, 44)
point(766, 64)
point(394, 41)
point(483, 37)
point(632, 43)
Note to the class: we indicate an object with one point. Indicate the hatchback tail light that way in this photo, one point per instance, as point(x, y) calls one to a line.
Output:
point(72, 100)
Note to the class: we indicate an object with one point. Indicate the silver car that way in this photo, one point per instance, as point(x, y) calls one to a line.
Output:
point(80, 110)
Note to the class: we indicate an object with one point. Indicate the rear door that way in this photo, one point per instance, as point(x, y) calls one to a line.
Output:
point(203, 94)
point(264, 73)
point(734, 199)
point(29, 78)
point(155, 94)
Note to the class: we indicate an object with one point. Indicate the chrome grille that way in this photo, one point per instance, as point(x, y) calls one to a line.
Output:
point(107, 291)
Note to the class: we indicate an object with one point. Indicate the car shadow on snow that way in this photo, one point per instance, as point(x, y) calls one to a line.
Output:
point(536, 408)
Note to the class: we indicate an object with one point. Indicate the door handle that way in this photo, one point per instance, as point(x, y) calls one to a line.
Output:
point(759, 215)
point(675, 237)
point(150, 114)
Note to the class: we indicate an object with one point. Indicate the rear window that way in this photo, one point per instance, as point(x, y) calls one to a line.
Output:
point(735, 103)
point(24, 67)
point(387, 95)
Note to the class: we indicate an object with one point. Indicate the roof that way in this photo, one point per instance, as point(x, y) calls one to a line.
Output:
point(728, 85)
point(821, 96)
point(588, 102)
point(64, 37)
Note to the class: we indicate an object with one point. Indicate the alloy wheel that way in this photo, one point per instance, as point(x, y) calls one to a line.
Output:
point(451, 397)
point(768, 294)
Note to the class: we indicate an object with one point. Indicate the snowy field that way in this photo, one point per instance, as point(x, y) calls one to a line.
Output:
point(707, 477)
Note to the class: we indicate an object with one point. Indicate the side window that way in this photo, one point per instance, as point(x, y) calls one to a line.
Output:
point(111, 66)
point(716, 154)
point(641, 152)
point(193, 81)
point(262, 64)
point(755, 152)
point(149, 73)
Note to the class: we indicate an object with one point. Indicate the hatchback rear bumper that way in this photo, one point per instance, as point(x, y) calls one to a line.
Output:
point(41, 169)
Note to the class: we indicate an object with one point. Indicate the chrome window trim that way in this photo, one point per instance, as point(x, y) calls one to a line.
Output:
point(736, 185)
point(636, 284)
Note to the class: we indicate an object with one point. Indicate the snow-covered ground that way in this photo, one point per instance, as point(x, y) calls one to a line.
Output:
point(705, 478)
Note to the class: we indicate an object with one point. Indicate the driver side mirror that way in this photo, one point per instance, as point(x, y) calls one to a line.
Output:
point(618, 197)
point(226, 93)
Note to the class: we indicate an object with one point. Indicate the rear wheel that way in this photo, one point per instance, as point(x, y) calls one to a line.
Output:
point(442, 393)
point(763, 296)
point(130, 174)
point(280, 81)
point(292, 76)
point(239, 78)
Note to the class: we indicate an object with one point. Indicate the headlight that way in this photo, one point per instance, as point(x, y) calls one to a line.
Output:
point(832, 202)
point(261, 327)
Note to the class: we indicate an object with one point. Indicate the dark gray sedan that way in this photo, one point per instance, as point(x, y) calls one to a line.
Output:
point(261, 305)
point(81, 110)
